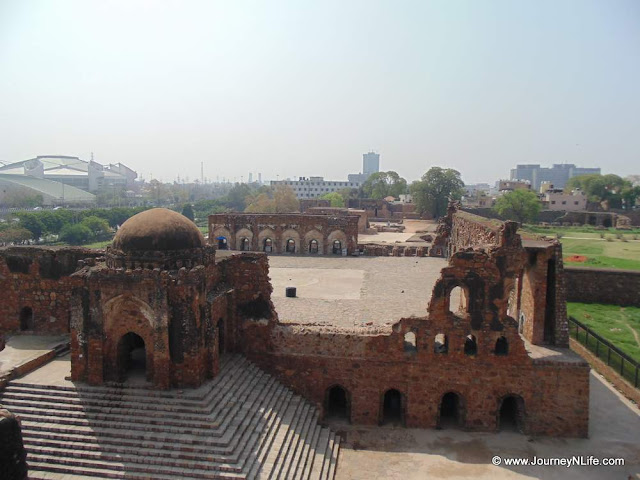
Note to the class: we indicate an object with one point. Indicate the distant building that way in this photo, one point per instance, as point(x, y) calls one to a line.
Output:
point(556, 199)
point(314, 187)
point(52, 193)
point(511, 185)
point(88, 176)
point(558, 174)
point(370, 163)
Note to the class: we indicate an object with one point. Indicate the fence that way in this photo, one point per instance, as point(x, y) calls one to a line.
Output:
point(619, 361)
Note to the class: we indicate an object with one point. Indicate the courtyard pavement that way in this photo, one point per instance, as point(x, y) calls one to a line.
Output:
point(352, 291)
point(22, 349)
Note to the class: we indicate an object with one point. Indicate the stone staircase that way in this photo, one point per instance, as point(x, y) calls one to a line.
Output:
point(242, 425)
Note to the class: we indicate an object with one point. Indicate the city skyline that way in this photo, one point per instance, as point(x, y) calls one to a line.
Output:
point(302, 89)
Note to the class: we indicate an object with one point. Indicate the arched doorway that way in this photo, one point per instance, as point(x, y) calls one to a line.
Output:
point(511, 414)
point(450, 411)
point(222, 243)
point(132, 357)
point(337, 247)
point(291, 246)
point(267, 245)
point(26, 319)
point(337, 404)
point(392, 408)
point(313, 246)
point(245, 245)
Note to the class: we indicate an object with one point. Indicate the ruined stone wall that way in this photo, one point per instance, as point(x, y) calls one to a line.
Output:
point(366, 365)
point(363, 220)
point(38, 279)
point(599, 285)
point(280, 228)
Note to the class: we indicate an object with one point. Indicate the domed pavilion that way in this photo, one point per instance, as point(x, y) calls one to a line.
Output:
point(152, 312)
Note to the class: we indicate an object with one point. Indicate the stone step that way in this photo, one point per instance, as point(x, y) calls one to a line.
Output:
point(315, 472)
point(244, 424)
point(86, 468)
point(313, 443)
point(272, 443)
point(86, 394)
point(156, 423)
point(306, 442)
point(333, 460)
point(266, 437)
point(299, 435)
point(99, 397)
point(138, 457)
point(274, 459)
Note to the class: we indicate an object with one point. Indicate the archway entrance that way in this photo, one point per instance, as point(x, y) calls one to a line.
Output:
point(245, 245)
point(450, 414)
point(222, 243)
point(511, 414)
point(291, 246)
point(313, 246)
point(337, 404)
point(132, 357)
point(337, 247)
point(26, 319)
point(392, 408)
point(267, 245)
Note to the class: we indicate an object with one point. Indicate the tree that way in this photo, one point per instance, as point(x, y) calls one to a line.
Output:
point(610, 190)
point(14, 235)
point(286, 200)
point(281, 199)
point(519, 205)
point(31, 222)
point(335, 199)
point(96, 225)
point(432, 193)
point(187, 211)
point(75, 234)
point(236, 198)
point(383, 184)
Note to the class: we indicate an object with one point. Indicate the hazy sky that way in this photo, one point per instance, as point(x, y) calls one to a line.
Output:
point(304, 88)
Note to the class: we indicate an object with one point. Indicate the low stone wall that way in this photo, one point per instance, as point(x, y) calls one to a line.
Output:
point(598, 285)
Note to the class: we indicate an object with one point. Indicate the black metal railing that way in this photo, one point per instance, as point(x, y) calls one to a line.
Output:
point(616, 359)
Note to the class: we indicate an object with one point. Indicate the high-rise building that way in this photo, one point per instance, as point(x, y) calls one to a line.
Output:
point(370, 163)
point(558, 174)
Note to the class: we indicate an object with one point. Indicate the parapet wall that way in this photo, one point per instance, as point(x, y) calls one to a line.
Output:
point(598, 285)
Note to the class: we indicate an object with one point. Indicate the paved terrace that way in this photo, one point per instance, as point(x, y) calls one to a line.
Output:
point(352, 291)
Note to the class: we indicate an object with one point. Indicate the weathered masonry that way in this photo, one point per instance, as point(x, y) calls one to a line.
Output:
point(285, 233)
point(499, 356)
point(159, 303)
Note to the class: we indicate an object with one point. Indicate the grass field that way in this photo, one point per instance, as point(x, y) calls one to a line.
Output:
point(618, 325)
point(616, 250)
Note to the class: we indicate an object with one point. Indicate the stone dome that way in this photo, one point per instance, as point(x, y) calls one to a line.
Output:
point(158, 229)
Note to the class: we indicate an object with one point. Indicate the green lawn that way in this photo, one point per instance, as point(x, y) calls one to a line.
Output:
point(603, 254)
point(102, 244)
point(618, 249)
point(613, 323)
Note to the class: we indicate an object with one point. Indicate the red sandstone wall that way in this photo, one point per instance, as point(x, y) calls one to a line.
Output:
point(368, 365)
point(598, 285)
point(41, 280)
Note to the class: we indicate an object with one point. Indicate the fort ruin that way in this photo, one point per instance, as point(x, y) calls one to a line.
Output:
point(489, 346)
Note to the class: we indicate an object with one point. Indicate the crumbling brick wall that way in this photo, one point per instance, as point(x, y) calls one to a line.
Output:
point(36, 282)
